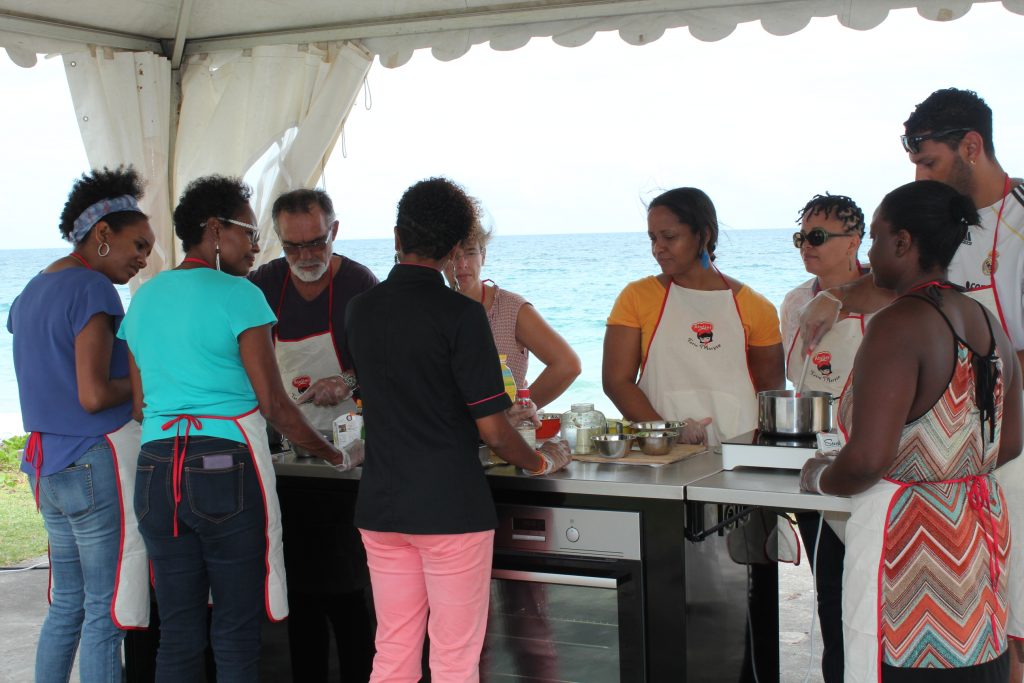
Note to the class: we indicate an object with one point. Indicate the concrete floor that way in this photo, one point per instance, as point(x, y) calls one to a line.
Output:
point(23, 606)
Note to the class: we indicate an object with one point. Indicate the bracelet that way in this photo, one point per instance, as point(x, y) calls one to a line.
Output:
point(832, 297)
point(349, 380)
point(545, 465)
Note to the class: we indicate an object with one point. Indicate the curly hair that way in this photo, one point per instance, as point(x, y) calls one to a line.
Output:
point(836, 206)
point(433, 216)
point(949, 109)
point(478, 235)
point(693, 208)
point(98, 185)
point(212, 196)
point(935, 215)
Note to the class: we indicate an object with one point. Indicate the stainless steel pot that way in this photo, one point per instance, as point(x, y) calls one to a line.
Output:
point(783, 412)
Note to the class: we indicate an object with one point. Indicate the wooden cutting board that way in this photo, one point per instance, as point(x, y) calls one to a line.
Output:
point(635, 457)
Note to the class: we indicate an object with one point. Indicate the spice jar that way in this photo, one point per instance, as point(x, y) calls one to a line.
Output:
point(580, 425)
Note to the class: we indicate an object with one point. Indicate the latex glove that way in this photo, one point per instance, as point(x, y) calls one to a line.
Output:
point(351, 455)
point(810, 474)
point(817, 317)
point(556, 455)
point(329, 391)
point(694, 431)
point(518, 412)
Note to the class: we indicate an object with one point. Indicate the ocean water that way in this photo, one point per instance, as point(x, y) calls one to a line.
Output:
point(572, 280)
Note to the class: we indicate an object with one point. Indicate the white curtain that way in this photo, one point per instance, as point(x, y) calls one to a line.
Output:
point(123, 104)
point(281, 107)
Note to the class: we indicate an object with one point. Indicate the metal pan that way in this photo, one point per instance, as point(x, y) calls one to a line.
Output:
point(785, 412)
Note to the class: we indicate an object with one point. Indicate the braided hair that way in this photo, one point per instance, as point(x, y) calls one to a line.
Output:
point(837, 206)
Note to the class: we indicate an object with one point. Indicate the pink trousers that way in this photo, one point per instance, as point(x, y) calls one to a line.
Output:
point(446, 574)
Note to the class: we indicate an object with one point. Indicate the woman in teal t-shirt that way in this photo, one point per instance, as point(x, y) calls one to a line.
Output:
point(204, 377)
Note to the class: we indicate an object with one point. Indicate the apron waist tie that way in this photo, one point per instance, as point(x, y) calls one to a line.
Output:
point(178, 457)
point(34, 457)
point(980, 500)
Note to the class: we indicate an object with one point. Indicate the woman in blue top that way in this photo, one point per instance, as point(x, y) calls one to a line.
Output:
point(203, 370)
point(75, 404)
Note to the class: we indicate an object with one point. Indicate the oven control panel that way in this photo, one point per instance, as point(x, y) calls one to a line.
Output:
point(569, 531)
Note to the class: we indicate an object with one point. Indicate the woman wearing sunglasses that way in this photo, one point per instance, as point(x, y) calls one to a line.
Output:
point(831, 228)
point(204, 377)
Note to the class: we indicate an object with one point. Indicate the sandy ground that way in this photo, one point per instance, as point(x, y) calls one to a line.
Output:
point(23, 601)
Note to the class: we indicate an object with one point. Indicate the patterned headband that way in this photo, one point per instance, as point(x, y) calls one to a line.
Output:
point(104, 207)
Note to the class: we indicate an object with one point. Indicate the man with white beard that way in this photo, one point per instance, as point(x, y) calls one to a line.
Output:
point(308, 289)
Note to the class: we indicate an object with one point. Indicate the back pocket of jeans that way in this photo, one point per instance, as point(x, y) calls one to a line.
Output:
point(215, 495)
point(143, 480)
point(71, 489)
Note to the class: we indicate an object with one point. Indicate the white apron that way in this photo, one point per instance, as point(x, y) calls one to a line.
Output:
point(1010, 475)
point(129, 608)
point(696, 364)
point(831, 361)
point(253, 429)
point(308, 359)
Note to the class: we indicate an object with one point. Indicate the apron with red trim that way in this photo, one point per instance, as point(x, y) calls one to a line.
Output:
point(696, 362)
point(831, 361)
point(253, 429)
point(305, 360)
point(981, 268)
point(925, 580)
point(129, 608)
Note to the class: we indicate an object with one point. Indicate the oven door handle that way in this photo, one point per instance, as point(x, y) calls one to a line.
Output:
point(559, 579)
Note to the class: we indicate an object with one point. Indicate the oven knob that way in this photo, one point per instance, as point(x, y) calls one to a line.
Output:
point(573, 534)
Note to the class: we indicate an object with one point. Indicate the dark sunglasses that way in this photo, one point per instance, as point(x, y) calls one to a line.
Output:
point(912, 143)
point(816, 237)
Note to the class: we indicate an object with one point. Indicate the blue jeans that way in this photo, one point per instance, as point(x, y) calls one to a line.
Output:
point(219, 551)
point(81, 511)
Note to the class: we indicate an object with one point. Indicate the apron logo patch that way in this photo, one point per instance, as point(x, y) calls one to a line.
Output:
point(823, 361)
point(705, 332)
point(301, 383)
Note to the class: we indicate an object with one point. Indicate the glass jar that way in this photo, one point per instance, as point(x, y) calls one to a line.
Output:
point(580, 425)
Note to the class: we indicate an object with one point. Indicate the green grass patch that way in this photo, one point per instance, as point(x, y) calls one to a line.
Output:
point(21, 527)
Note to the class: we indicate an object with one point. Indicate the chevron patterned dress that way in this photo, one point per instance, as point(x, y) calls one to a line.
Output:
point(941, 571)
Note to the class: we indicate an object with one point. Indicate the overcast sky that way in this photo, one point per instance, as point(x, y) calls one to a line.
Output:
point(560, 140)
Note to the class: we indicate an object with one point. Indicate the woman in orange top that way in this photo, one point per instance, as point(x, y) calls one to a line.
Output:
point(702, 343)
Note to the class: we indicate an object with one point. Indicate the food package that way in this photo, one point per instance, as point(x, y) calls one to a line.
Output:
point(347, 429)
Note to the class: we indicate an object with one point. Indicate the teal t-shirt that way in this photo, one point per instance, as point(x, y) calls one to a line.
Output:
point(182, 328)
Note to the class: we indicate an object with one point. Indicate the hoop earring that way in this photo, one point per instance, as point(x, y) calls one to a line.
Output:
point(217, 256)
point(100, 251)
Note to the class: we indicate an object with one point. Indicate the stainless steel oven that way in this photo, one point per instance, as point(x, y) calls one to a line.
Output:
point(567, 597)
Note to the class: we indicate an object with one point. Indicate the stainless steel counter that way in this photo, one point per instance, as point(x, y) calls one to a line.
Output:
point(762, 487)
point(667, 482)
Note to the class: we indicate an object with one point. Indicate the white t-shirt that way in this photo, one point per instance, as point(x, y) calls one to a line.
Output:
point(971, 262)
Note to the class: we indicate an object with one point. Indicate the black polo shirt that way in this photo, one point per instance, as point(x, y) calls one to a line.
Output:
point(428, 368)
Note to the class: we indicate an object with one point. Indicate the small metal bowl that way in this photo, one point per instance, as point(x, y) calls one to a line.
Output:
point(656, 443)
point(656, 426)
point(613, 445)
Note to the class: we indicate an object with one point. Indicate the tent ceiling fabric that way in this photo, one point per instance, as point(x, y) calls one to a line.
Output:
point(394, 29)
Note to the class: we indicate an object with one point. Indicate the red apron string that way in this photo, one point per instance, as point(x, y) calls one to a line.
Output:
point(178, 457)
point(34, 457)
point(980, 499)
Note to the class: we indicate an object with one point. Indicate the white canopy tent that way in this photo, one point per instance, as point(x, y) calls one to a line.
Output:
point(180, 88)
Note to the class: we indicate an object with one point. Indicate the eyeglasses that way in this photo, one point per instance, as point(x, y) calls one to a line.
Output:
point(251, 231)
point(816, 237)
point(313, 245)
point(912, 143)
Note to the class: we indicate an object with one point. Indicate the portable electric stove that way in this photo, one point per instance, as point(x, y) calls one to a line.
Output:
point(757, 449)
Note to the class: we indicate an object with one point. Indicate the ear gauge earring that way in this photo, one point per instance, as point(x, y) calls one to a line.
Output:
point(103, 249)
point(217, 256)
